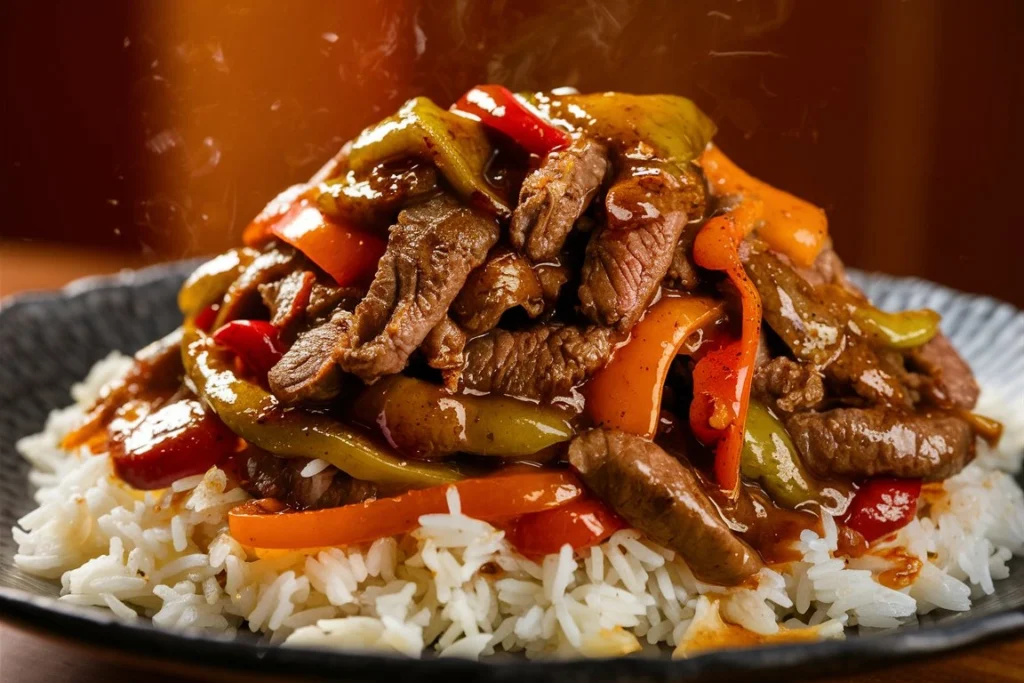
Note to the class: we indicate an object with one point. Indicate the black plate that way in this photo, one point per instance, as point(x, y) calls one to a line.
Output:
point(49, 341)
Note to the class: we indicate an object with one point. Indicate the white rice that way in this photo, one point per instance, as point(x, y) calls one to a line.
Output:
point(456, 586)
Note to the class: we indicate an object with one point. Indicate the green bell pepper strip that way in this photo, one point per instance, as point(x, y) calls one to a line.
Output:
point(209, 282)
point(256, 416)
point(666, 127)
point(457, 145)
point(419, 416)
point(770, 458)
point(904, 330)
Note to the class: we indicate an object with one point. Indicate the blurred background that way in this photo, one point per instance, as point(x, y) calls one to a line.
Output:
point(138, 132)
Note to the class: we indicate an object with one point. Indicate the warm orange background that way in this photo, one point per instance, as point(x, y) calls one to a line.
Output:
point(158, 128)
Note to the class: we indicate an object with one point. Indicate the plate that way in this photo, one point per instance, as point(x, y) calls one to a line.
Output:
point(49, 341)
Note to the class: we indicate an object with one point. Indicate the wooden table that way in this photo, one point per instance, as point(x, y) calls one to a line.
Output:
point(33, 658)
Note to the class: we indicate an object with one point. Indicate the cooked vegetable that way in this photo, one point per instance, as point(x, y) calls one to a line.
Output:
point(581, 523)
point(205, 318)
point(423, 420)
point(668, 127)
point(178, 440)
point(883, 506)
point(496, 107)
point(348, 255)
point(455, 144)
point(258, 417)
point(626, 393)
point(256, 342)
point(903, 330)
point(722, 378)
point(259, 231)
point(265, 525)
point(208, 283)
point(791, 226)
point(770, 458)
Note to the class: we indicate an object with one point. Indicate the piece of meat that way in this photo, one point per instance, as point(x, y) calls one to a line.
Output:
point(268, 476)
point(827, 269)
point(308, 371)
point(504, 282)
point(326, 297)
point(552, 277)
point(442, 348)
point(950, 382)
point(287, 299)
point(244, 292)
point(871, 442)
point(375, 199)
point(815, 332)
point(682, 271)
point(541, 363)
point(788, 386)
point(554, 196)
point(662, 497)
point(628, 257)
point(430, 253)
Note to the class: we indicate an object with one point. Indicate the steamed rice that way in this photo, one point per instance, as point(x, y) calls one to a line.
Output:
point(456, 586)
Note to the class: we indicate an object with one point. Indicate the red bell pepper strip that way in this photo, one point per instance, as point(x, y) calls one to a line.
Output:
point(581, 523)
point(267, 524)
point(259, 231)
point(256, 342)
point(722, 378)
point(180, 439)
point(882, 506)
point(204, 318)
point(496, 107)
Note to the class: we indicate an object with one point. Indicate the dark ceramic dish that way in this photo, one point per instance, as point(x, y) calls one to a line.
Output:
point(48, 341)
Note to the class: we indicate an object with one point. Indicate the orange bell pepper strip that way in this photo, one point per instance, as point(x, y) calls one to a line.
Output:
point(267, 524)
point(626, 393)
point(791, 225)
point(722, 378)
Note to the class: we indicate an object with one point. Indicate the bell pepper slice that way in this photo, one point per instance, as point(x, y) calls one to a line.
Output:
point(791, 225)
point(178, 440)
point(882, 506)
point(903, 330)
point(722, 378)
point(208, 283)
point(266, 525)
point(256, 342)
point(626, 393)
point(348, 255)
point(254, 414)
point(583, 523)
point(496, 107)
point(260, 230)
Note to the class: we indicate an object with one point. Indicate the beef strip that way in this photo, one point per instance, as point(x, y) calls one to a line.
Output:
point(326, 296)
point(504, 282)
point(554, 196)
point(268, 476)
point(430, 253)
point(815, 333)
point(541, 363)
point(552, 277)
point(442, 348)
point(375, 199)
point(788, 386)
point(267, 267)
point(308, 371)
point(627, 258)
point(682, 271)
point(662, 497)
point(287, 299)
point(950, 382)
point(856, 442)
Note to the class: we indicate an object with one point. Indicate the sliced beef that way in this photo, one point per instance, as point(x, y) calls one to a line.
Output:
point(787, 385)
point(627, 258)
point(244, 292)
point(541, 363)
point(662, 497)
point(682, 271)
point(308, 371)
point(287, 300)
point(442, 348)
point(376, 199)
point(815, 332)
point(504, 282)
point(326, 297)
point(431, 251)
point(552, 277)
point(554, 196)
point(268, 476)
point(950, 382)
point(856, 442)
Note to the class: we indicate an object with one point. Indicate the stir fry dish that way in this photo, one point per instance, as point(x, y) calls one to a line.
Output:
point(574, 309)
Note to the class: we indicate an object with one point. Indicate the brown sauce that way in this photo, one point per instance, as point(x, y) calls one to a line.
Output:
point(904, 570)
